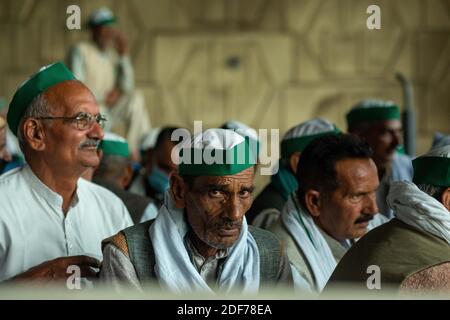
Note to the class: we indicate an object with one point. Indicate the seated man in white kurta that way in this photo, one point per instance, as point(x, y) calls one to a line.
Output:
point(50, 218)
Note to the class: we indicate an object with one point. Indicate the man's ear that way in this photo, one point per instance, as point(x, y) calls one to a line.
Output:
point(445, 198)
point(313, 203)
point(293, 161)
point(178, 189)
point(34, 134)
point(126, 176)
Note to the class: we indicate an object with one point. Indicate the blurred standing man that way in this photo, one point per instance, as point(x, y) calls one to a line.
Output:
point(105, 67)
point(50, 218)
point(378, 123)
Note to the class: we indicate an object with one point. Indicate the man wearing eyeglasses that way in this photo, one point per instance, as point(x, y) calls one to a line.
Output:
point(50, 218)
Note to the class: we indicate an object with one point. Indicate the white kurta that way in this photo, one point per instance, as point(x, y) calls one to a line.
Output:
point(34, 229)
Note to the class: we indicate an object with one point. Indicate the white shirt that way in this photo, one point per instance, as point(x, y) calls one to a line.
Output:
point(34, 229)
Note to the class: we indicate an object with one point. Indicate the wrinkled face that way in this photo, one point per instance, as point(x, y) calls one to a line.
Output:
point(346, 211)
point(65, 144)
point(216, 205)
point(384, 137)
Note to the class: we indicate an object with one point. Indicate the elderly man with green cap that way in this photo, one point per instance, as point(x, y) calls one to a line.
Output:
point(50, 218)
point(200, 240)
point(105, 67)
point(412, 251)
point(269, 203)
point(115, 173)
point(378, 123)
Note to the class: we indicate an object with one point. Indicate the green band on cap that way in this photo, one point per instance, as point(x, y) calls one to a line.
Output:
point(434, 171)
point(104, 22)
point(201, 162)
point(359, 115)
point(289, 146)
point(33, 87)
point(115, 148)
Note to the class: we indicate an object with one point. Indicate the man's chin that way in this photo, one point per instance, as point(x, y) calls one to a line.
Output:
point(361, 231)
point(223, 244)
point(91, 163)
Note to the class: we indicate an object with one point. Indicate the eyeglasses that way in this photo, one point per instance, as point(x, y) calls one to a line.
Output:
point(84, 120)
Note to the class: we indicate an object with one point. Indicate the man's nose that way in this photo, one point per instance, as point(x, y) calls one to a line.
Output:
point(397, 138)
point(371, 206)
point(96, 132)
point(234, 209)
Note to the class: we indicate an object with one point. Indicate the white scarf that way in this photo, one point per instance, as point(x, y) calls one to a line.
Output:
point(307, 235)
point(309, 238)
point(418, 209)
point(174, 268)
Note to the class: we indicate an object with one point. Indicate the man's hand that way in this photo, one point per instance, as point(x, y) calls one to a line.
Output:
point(56, 269)
point(121, 43)
point(112, 97)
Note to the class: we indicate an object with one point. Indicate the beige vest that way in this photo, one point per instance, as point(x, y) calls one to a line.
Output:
point(399, 250)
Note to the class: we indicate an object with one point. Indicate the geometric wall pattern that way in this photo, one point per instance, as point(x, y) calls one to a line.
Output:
point(269, 63)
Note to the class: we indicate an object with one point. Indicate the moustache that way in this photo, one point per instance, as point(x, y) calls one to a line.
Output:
point(364, 218)
point(228, 224)
point(89, 143)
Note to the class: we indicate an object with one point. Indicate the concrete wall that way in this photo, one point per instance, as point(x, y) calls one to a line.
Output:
point(269, 63)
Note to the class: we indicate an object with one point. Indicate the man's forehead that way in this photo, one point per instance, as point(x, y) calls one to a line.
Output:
point(245, 176)
point(355, 169)
point(388, 125)
point(72, 96)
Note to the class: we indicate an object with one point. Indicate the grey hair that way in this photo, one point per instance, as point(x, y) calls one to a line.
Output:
point(432, 191)
point(39, 107)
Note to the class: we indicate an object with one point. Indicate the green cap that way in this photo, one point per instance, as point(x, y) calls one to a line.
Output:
point(101, 17)
point(298, 137)
point(114, 145)
point(372, 110)
point(216, 152)
point(433, 168)
point(47, 77)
